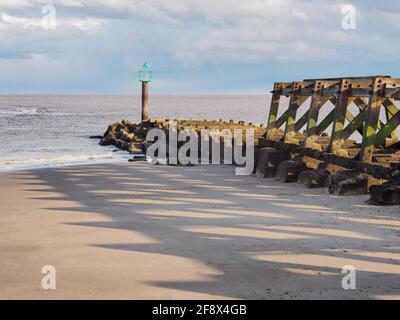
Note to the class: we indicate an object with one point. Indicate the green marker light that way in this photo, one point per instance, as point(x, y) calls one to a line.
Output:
point(146, 74)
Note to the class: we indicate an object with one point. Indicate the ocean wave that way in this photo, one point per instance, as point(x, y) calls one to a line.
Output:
point(17, 111)
point(20, 164)
point(21, 111)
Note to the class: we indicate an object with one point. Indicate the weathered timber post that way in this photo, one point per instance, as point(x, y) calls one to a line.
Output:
point(390, 111)
point(316, 104)
point(296, 100)
point(273, 110)
point(294, 104)
point(340, 116)
point(145, 76)
point(372, 120)
point(273, 123)
point(145, 101)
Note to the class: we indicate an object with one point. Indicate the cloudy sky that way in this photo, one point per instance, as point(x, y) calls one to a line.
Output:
point(194, 46)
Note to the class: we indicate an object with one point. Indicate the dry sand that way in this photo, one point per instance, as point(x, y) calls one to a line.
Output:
point(135, 231)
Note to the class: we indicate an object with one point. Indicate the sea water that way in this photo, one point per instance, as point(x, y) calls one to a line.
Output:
point(39, 131)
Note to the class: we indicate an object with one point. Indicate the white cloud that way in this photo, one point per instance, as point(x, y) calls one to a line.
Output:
point(88, 24)
point(20, 21)
point(210, 37)
point(26, 38)
point(224, 31)
point(33, 3)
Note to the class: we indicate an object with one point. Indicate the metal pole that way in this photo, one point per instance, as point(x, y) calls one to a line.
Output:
point(145, 101)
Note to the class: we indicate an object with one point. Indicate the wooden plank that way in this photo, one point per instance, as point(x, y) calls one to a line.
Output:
point(350, 78)
point(295, 103)
point(377, 171)
point(355, 124)
point(317, 103)
point(301, 122)
point(328, 119)
point(360, 103)
point(335, 91)
point(388, 129)
point(275, 103)
point(282, 119)
point(390, 107)
point(372, 120)
point(340, 116)
point(390, 111)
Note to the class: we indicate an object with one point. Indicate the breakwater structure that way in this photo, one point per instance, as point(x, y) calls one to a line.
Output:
point(300, 143)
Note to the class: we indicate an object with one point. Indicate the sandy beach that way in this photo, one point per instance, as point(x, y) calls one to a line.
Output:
point(135, 231)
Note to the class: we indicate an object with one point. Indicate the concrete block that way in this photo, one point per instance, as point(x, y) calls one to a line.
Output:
point(289, 170)
point(313, 178)
point(268, 161)
point(388, 195)
point(348, 183)
point(395, 175)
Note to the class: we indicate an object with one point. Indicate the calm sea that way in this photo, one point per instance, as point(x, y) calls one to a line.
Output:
point(54, 130)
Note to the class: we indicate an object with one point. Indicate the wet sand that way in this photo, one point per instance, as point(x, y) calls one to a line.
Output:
point(135, 231)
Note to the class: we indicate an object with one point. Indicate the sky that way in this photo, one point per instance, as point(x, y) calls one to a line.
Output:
point(193, 46)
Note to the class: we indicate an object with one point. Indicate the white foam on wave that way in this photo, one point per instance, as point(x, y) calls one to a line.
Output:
point(62, 160)
point(19, 111)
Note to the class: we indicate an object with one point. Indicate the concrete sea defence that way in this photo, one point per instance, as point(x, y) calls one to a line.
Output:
point(130, 136)
point(286, 166)
point(297, 148)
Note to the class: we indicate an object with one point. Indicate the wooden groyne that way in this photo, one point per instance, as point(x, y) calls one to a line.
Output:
point(346, 166)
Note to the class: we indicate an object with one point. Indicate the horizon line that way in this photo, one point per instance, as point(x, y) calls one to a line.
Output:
point(132, 93)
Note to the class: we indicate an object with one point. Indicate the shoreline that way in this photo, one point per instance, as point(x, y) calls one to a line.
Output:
point(135, 231)
point(104, 155)
point(63, 164)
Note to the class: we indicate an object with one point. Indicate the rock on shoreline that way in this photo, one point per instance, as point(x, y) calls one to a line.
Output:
point(127, 136)
point(130, 136)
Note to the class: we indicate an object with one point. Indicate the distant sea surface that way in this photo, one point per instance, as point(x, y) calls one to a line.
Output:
point(53, 130)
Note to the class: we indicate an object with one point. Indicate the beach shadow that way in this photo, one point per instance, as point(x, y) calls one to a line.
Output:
point(265, 239)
